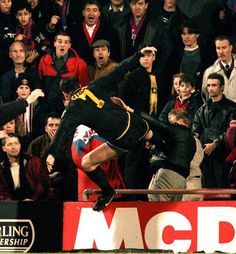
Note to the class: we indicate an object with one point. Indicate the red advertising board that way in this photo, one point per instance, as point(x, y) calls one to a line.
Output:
point(178, 226)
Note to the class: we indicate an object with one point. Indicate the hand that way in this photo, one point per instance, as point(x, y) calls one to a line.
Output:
point(20, 37)
point(3, 134)
point(34, 96)
point(31, 58)
point(209, 148)
point(121, 103)
point(118, 101)
point(222, 14)
point(54, 174)
point(50, 162)
point(51, 134)
point(149, 48)
point(54, 21)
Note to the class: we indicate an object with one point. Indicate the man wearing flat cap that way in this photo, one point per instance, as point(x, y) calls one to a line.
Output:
point(103, 63)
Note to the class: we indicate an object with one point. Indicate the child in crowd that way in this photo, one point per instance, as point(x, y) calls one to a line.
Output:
point(25, 121)
point(176, 83)
point(188, 99)
point(28, 32)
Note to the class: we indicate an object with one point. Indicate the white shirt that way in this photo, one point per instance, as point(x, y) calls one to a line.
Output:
point(90, 29)
point(15, 172)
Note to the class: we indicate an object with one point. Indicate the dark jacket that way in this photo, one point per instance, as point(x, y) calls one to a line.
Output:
point(83, 48)
point(115, 19)
point(212, 120)
point(86, 112)
point(73, 16)
point(151, 32)
point(34, 180)
point(135, 90)
point(7, 35)
point(8, 83)
point(9, 111)
point(177, 143)
point(195, 101)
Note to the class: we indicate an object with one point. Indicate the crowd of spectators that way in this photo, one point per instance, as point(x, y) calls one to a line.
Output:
point(194, 69)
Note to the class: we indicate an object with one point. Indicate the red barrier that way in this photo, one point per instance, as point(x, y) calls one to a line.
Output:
point(179, 226)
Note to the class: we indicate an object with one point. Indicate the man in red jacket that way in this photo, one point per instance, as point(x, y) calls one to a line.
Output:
point(61, 62)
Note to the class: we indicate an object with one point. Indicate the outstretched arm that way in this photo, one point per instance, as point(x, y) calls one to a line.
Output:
point(11, 110)
point(109, 81)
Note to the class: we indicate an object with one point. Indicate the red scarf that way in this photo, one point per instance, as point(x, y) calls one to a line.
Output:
point(27, 31)
point(135, 28)
point(90, 39)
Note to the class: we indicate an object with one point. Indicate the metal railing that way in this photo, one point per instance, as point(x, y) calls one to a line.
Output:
point(222, 193)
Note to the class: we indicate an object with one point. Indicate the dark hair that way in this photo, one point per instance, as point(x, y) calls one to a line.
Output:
point(10, 135)
point(187, 79)
point(135, 1)
point(181, 115)
point(217, 76)
point(88, 2)
point(62, 33)
point(191, 26)
point(51, 115)
point(69, 84)
point(20, 5)
point(222, 38)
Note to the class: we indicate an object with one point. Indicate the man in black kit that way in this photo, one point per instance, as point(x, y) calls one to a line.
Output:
point(90, 106)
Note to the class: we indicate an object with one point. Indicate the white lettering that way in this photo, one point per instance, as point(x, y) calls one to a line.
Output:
point(156, 225)
point(209, 230)
point(125, 227)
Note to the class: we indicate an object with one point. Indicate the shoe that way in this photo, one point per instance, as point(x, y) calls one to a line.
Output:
point(103, 201)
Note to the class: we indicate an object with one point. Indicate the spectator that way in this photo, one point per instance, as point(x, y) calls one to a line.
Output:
point(141, 27)
point(179, 147)
point(192, 56)
point(9, 127)
point(210, 123)
point(62, 189)
point(17, 53)
point(62, 61)
point(11, 110)
point(93, 28)
point(28, 32)
point(65, 14)
point(7, 34)
point(22, 177)
point(191, 8)
point(216, 18)
point(41, 11)
point(193, 181)
point(26, 123)
point(115, 12)
point(171, 17)
point(142, 92)
point(103, 63)
point(224, 65)
point(189, 99)
point(175, 84)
